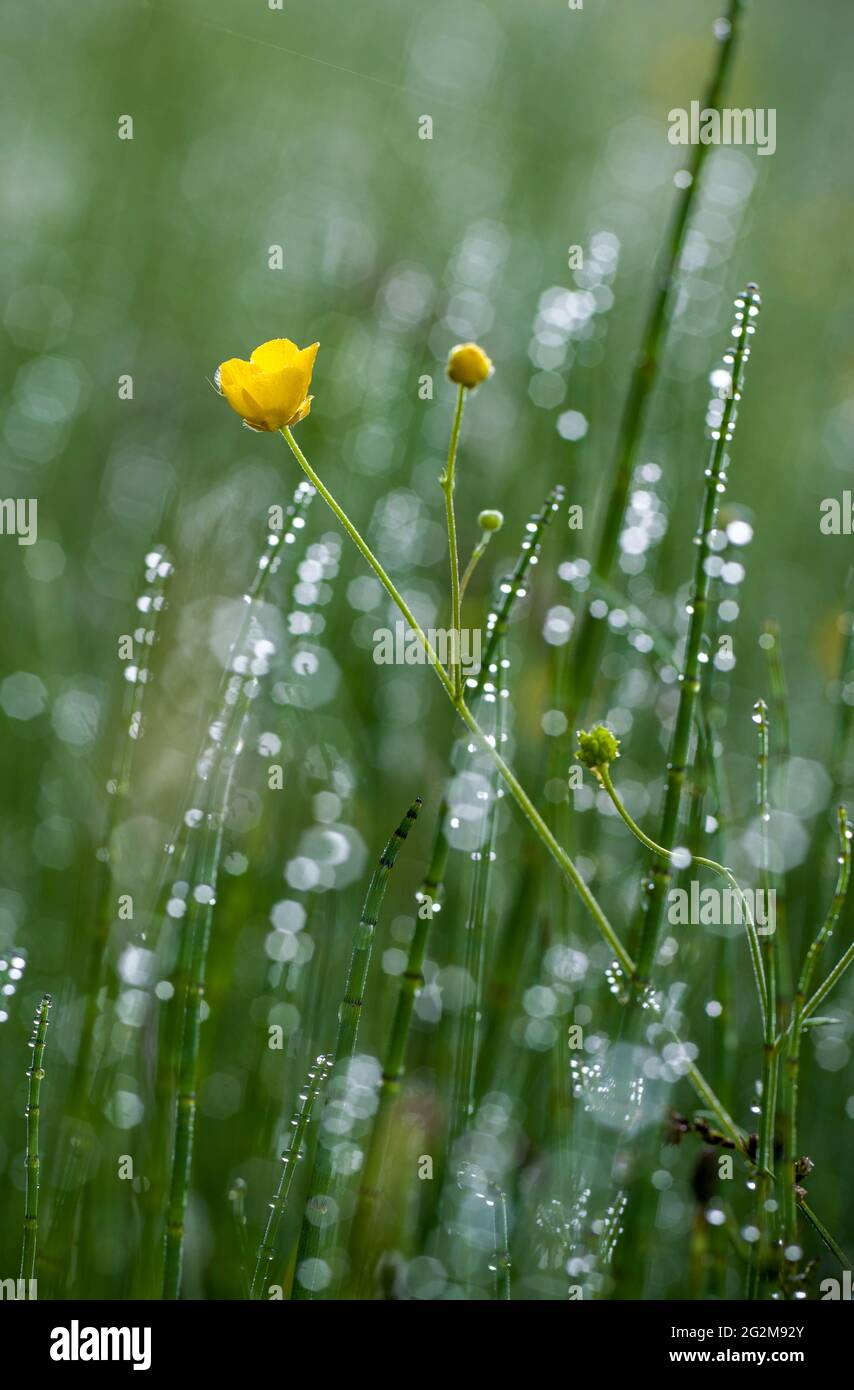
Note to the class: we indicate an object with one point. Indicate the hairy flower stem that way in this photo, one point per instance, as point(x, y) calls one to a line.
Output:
point(747, 307)
point(590, 631)
point(791, 1156)
point(476, 556)
point(520, 796)
point(35, 1076)
point(447, 482)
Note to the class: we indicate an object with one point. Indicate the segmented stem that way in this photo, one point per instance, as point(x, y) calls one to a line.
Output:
point(475, 929)
point(770, 1052)
point(32, 1161)
point(411, 983)
point(198, 928)
point(590, 632)
point(325, 1183)
point(726, 404)
point(799, 1012)
point(291, 1156)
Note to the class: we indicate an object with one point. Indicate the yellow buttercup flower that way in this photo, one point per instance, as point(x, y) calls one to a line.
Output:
point(269, 391)
point(468, 365)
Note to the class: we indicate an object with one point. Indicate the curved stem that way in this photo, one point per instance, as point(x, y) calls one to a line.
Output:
point(473, 562)
point(558, 853)
point(604, 776)
point(447, 481)
point(371, 558)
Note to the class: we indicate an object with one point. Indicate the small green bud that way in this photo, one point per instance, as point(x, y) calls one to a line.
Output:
point(490, 521)
point(597, 748)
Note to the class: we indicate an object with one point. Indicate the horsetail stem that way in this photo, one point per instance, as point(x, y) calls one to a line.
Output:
point(290, 1158)
point(150, 603)
point(589, 634)
point(35, 1076)
point(725, 1122)
point(447, 482)
point(475, 930)
point(520, 796)
point(511, 589)
point(198, 930)
point(411, 983)
point(351, 1006)
point(325, 1182)
point(770, 1052)
point(725, 405)
point(501, 1240)
point(237, 1202)
point(799, 1015)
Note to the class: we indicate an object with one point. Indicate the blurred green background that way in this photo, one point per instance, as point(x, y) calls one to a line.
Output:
point(256, 128)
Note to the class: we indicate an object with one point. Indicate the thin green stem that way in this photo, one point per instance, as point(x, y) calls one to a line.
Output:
point(727, 1125)
point(799, 1013)
point(237, 1202)
point(411, 984)
point(35, 1076)
point(560, 856)
point(501, 1241)
point(475, 937)
point(606, 780)
point(317, 1233)
point(447, 481)
point(512, 588)
point(590, 631)
point(765, 1221)
point(365, 550)
point(747, 307)
point(290, 1158)
point(822, 1230)
point(476, 556)
point(198, 929)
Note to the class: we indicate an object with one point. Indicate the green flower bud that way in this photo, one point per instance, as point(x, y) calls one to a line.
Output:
point(490, 521)
point(598, 748)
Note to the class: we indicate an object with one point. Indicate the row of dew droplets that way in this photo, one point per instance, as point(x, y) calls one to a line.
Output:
point(249, 655)
point(185, 893)
point(193, 896)
point(12, 967)
point(150, 603)
point(722, 412)
point(291, 1156)
point(489, 792)
point(248, 662)
point(513, 586)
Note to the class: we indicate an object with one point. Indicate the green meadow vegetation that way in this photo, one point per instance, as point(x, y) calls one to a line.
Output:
point(424, 829)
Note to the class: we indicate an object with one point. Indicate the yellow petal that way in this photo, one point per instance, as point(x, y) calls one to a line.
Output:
point(279, 395)
point(271, 390)
point(272, 356)
point(304, 410)
point(235, 380)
